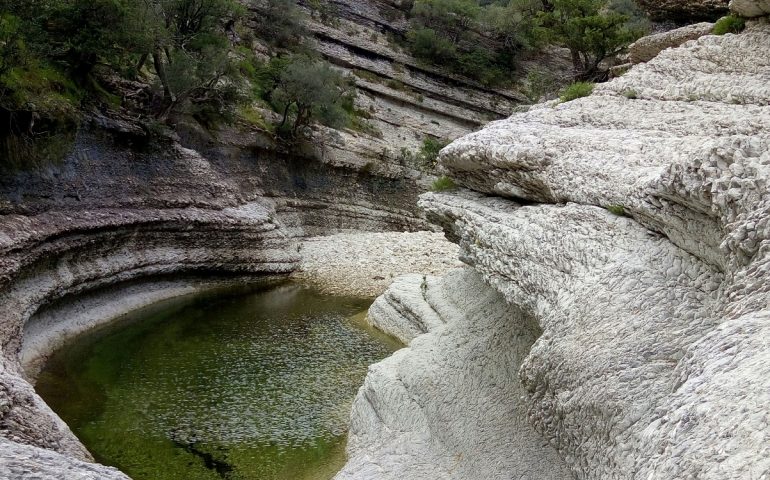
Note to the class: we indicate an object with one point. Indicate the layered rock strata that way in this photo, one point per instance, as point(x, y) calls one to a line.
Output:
point(630, 228)
point(124, 220)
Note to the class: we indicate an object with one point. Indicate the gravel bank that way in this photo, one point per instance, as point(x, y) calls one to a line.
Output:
point(365, 264)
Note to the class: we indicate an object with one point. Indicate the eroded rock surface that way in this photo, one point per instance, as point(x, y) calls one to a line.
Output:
point(101, 231)
point(750, 8)
point(451, 405)
point(631, 229)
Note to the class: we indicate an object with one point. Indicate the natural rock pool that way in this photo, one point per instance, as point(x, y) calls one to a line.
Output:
point(252, 384)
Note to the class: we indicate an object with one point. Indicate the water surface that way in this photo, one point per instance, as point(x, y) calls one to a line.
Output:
point(233, 385)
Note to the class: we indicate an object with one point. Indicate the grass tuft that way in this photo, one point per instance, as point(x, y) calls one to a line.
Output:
point(577, 90)
point(443, 184)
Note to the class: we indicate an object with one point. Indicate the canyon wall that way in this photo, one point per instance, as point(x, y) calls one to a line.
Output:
point(626, 238)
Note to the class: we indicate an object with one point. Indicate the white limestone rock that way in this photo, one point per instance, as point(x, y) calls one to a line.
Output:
point(403, 311)
point(647, 48)
point(750, 8)
point(27, 462)
point(450, 406)
point(632, 237)
point(364, 264)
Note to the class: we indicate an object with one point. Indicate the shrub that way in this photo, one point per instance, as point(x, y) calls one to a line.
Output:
point(590, 31)
point(309, 90)
point(430, 150)
point(729, 24)
point(577, 90)
point(443, 184)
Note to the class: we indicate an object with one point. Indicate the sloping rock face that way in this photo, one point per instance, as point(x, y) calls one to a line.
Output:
point(126, 220)
point(407, 101)
point(633, 234)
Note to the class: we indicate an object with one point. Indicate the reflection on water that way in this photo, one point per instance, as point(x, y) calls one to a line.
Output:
point(235, 385)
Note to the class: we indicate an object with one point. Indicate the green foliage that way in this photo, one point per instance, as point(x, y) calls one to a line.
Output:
point(729, 24)
point(637, 22)
point(443, 184)
point(450, 17)
point(484, 40)
point(427, 44)
point(589, 30)
point(577, 90)
point(310, 90)
point(540, 84)
point(38, 104)
point(479, 42)
point(430, 150)
point(281, 23)
point(191, 55)
point(630, 94)
point(324, 10)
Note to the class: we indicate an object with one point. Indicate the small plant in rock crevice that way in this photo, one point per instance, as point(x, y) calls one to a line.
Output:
point(577, 90)
point(630, 94)
point(443, 184)
point(618, 210)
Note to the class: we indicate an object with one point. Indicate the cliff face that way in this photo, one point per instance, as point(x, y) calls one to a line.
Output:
point(630, 228)
point(408, 101)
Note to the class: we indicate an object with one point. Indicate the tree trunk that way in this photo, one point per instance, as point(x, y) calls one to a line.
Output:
point(577, 64)
point(141, 63)
point(168, 95)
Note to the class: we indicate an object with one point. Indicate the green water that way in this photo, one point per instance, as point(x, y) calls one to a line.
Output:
point(237, 385)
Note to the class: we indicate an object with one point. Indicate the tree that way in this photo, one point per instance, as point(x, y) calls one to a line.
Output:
point(591, 32)
point(280, 23)
point(189, 47)
point(480, 40)
point(310, 90)
point(515, 26)
point(453, 18)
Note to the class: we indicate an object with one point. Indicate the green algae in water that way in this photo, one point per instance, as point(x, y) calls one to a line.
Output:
point(246, 386)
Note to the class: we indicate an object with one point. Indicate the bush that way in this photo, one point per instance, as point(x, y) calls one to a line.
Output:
point(430, 150)
point(443, 184)
point(729, 24)
point(590, 31)
point(309, 90)
point(577, 90)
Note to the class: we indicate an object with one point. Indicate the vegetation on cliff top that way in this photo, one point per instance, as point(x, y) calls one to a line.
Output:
point(484, 40)
point(169, 59)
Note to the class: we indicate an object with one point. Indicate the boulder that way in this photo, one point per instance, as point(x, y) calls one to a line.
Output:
point(647, 48)
point(750, 8)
